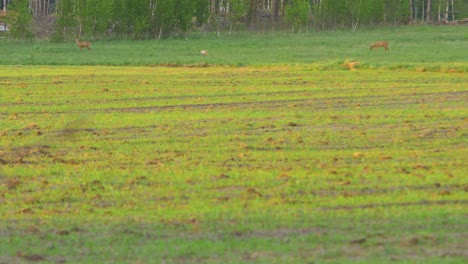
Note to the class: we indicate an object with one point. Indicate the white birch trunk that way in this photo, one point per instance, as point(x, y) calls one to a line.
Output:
point(429, 11)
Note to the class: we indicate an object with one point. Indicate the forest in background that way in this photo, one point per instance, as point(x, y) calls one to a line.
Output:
point(61, 20)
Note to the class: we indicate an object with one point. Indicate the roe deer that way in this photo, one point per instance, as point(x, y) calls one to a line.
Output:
point(383, 44)
point(204, 52)
point(84, 44)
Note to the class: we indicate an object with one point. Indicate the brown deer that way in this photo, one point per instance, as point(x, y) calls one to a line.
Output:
point(84, 44)
point(383, 44)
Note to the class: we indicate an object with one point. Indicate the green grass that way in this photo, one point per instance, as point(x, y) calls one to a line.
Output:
point(422, 48)
point(275, 162)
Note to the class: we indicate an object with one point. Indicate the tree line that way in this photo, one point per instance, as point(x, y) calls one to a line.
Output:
point(149, 19)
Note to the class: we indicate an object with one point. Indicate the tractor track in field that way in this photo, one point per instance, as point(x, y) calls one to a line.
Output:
point(154, 132)
point(310, 103)
point(416, 129)
point(387, 205)
point(393, 189)
point(339, 102)
point(345, 190)
point(225, 193)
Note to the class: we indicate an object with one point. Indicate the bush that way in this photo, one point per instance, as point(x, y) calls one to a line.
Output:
point(21, 20)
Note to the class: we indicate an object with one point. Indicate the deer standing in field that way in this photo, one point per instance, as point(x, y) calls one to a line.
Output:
point(84, 44)
point(383, 44)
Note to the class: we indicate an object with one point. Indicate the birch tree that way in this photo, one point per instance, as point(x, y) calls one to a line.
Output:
point(143, 19)
point(429, 11)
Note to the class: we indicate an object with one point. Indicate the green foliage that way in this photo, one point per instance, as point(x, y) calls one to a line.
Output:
point(461, 11)
point(65, 21)
point(355, 13)
point(366, 12)
point(396, 11)
point(150, 19)
point(239, 9)
point(297, 14)
point(332, 14)
point(101, 16)
point(21, 20)
point(185, 10)
point(140, 19)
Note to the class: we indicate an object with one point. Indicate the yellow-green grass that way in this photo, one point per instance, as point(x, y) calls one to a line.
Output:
point(260, 164)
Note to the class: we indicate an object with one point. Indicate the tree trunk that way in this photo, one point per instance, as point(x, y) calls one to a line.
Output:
point(453, 11)
point(275, 11)
point(411, 9)
point(423, 11)
point(446, 14)
point(252, 15)
point(429, 11)
point(439, 12)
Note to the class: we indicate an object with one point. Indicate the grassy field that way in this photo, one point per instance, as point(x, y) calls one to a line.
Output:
point(421, 48)
point(279, 161)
